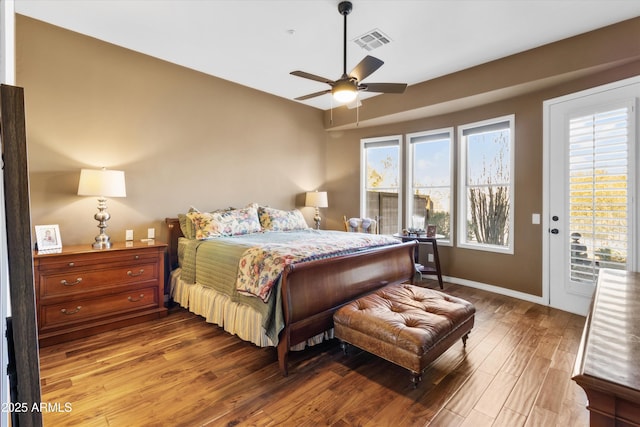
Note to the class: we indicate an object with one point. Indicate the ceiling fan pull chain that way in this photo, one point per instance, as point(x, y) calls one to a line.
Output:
point(331, 112)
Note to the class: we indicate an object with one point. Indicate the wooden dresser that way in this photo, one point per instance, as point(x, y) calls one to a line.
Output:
point(608, 362)
point(82, 291)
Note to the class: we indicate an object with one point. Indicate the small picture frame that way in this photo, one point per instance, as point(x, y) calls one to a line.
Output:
point(431, 230)
point(48, 238)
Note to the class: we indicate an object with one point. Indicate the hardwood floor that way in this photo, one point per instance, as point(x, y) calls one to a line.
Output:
point(182, 371)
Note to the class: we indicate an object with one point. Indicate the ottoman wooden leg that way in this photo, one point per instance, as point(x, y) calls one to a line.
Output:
point(415, 379)
point(464, 339)
point(345, 347)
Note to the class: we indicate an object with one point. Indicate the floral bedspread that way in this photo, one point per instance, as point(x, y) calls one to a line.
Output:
point(260, 267)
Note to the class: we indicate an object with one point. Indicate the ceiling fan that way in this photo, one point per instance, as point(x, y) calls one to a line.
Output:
point(346, 88)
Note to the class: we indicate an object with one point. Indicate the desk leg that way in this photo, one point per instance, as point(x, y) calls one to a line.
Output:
point(436, 260)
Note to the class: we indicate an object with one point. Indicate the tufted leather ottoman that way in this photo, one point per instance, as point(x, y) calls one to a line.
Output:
point(405, 324)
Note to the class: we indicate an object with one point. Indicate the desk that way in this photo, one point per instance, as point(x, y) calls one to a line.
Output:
point(609, 354)
point(426, 269)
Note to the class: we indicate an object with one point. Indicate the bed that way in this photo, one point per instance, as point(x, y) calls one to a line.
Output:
point(207, 276)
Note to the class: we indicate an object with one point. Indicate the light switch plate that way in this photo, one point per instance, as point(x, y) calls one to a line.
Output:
point(151, 233)
point(128, 235)
point(535, 218)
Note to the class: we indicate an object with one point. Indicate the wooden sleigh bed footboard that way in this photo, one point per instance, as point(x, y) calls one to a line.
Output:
point(313, 290)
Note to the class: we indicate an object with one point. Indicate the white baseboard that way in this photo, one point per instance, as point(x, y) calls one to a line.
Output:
point(495, 290)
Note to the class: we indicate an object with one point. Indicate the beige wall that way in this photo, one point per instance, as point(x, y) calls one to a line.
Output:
point(186, 138)
point(183, 138)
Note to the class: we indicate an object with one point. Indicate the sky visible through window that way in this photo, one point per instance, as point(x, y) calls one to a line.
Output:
point(432, 164)
point(385, 162)
point(488, 157)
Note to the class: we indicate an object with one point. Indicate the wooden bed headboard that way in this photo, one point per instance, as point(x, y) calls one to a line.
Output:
point(175, 232)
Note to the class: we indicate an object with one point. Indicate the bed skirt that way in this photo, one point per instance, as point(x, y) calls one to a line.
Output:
point(234, 318)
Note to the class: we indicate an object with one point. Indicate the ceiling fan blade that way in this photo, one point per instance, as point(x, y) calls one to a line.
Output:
point(368, 65)
point(310, 76)
point(312, 95)
point(383, 87)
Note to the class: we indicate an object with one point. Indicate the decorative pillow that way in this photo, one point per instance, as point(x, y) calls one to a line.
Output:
point(204, 224)
point(186, 225)
point(279, 220)
point(225, 223)
point(240, 221)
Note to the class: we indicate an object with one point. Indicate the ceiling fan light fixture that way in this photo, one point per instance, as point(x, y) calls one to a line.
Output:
point(344, 91)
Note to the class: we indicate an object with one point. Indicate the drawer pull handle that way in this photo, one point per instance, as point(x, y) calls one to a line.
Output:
point(136, 300)
point(68, 313)
point(65, 283)
point(136, 257)
point(72, 264)
point(132, 274)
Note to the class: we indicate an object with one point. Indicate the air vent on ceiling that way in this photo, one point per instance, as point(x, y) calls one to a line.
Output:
point(372, 40)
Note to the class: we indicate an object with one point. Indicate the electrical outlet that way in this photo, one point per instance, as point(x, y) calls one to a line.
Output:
point(430, 257)
point(128, 235)
point(151, 233)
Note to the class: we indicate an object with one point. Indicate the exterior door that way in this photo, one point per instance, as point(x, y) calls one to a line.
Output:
point(590, 151)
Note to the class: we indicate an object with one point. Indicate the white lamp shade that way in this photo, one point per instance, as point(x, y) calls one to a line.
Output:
point(105, 183)
point(317, 199)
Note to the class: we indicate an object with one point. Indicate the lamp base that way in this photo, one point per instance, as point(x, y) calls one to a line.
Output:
point(100, 244)
point(317, 219)
point(102, 216)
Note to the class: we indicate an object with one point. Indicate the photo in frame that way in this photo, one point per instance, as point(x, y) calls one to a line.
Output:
point(431, 230)
point(48, 238)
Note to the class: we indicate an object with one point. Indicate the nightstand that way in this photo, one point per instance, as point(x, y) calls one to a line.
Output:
point(83, 291)
point(426, 269)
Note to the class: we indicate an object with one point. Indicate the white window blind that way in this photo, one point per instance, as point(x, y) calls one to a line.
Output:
point(599, 205)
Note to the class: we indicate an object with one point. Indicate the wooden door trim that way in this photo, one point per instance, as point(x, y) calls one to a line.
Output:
point(18, 232)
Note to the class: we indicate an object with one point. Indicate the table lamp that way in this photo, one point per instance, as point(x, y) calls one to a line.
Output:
point(102, 183)
point(317, 199)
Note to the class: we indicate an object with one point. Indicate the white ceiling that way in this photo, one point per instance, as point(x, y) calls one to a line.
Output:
point(257, 43)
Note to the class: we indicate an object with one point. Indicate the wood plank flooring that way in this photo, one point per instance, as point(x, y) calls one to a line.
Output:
point(182, 371)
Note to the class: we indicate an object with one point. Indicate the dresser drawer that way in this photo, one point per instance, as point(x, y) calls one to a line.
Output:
point(80, 280)
point(54, 315)
point(95, 260)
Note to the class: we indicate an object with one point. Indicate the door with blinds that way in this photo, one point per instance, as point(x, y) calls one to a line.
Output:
point(591, 183)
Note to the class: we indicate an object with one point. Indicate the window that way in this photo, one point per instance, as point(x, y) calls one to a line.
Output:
point(429, 181)
point(485, 195)
point(380, 196)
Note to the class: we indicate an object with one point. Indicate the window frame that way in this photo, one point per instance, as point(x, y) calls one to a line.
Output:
point(450, 131)
point(393, 140)
point(463, 186)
